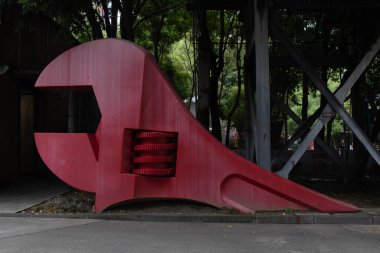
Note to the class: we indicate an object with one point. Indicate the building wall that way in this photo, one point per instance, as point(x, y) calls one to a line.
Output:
point(9, 125)
point(27, 44)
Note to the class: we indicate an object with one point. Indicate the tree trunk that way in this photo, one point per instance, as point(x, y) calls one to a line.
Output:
point(214, 108)
point(217, 65)
point(359, 105)
point(106, 17)
point(127, 20)
point(204, 55)
point(329, 139)
point(360, 154)
point(249, 73)
point(286, 120)
point(114, 11)
point(325, 51)
point(305, 97)
point(95, 25)
point(237, 100)
point(156, 36)
point(323, 101)
point(376, 126)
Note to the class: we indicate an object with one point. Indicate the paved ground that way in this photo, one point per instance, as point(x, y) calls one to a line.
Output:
point(21, 234)
point(22, 195)
point(17, 197)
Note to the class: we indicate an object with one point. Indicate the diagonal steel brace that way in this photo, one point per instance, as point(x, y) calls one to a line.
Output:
point(329, 150)
point(335, 102)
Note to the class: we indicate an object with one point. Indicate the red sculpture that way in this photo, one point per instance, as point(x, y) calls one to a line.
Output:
point(148, 145)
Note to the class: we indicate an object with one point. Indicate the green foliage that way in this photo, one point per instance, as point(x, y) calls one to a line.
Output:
point(69, 14)
point(227, 102)
point(163, 26)
point(229, 90)
point(158, 26)
point(372, 89)
point(181, 63)
point(314, 104)
point(289, 211)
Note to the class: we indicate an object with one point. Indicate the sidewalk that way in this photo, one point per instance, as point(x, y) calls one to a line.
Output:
point(57, 235)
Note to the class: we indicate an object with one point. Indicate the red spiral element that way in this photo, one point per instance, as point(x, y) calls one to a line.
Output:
point(154, 154)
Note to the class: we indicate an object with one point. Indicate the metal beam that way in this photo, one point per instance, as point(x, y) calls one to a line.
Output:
point(329, 150)
point(299, 132)
point(263, 112)
point(251, 46)
point(335, 102)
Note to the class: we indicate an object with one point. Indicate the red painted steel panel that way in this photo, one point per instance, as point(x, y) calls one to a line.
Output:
point(72, 157)
point(136, 101)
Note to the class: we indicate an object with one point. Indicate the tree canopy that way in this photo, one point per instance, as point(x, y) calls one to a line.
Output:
point(179, 38)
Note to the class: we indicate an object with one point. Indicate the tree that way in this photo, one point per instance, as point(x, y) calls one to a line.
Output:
point(215, 36)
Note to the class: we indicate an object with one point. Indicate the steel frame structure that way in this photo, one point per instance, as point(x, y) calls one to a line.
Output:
point(258, 13)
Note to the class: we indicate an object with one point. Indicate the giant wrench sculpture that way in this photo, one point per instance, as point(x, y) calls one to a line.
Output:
point(147, 144)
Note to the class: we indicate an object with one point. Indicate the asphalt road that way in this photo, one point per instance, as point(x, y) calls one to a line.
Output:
point(85, 235)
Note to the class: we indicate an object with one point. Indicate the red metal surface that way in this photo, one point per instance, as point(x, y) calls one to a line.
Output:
point(137, 102)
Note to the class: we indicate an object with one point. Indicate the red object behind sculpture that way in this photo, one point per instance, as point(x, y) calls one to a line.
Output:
point(148, 145)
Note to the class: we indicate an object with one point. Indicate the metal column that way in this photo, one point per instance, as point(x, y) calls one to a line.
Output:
point(262, 84)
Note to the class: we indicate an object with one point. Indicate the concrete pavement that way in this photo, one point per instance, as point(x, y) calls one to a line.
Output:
point(22, 234)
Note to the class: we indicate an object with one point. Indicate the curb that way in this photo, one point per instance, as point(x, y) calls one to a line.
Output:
point(259, 218)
